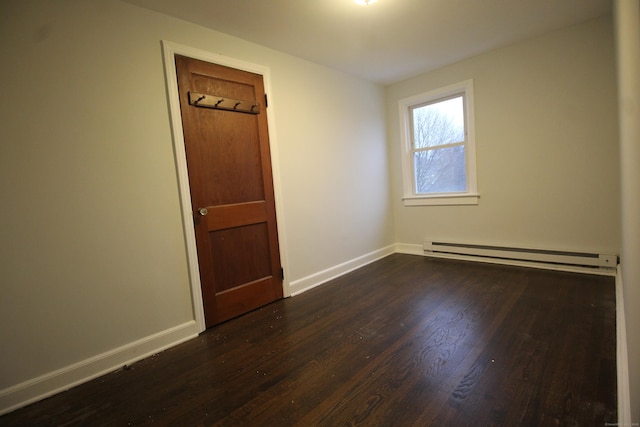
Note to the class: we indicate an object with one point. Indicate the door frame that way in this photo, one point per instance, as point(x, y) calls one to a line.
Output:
point(169, 50)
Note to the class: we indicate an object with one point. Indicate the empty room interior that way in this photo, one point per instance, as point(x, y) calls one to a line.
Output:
point(489, 276)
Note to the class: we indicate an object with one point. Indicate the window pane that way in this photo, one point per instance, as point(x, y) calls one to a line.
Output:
point(438, 123)
point(440, 170)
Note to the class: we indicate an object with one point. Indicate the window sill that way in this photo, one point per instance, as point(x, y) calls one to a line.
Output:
point(442, 200)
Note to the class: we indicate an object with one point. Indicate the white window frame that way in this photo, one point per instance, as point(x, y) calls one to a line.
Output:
point(410, 197)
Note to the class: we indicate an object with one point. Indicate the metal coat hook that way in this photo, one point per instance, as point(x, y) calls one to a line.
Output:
point(222, 103)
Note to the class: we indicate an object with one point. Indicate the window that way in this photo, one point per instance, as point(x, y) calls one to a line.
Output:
point(438, 150)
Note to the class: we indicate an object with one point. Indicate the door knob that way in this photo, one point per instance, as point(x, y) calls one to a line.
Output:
point(203, 211)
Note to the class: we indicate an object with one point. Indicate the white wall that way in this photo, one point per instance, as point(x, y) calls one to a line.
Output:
point(92, 248)
point(547, 152)
point(628, 53)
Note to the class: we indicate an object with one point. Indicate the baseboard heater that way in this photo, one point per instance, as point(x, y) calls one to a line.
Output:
point(581, 259)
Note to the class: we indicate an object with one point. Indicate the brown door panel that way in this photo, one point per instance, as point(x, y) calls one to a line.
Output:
point(231, 182)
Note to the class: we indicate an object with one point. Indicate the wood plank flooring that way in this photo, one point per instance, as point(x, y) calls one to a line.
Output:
point(405, 341)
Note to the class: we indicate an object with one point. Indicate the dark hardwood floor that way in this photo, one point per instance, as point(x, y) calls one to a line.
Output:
point(405, 341)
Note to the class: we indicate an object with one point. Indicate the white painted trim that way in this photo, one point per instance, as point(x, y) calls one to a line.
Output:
point(410, 198)
point(171, 78)
point(170, 49)
point(413, 249)
point(63, 379)
point(622, 356)
point(442, 200)
point(302, 285)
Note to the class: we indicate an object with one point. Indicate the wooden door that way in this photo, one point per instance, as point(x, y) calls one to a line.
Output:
point(228, 160)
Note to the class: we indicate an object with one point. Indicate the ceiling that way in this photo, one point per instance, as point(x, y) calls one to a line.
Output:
point(384, 42)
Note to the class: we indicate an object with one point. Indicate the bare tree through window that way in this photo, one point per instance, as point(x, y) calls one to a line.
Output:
point(439, 146)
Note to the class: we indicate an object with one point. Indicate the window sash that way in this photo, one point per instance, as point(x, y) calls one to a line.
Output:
point(438, 147)
point(414, 150)
point(413, 108)
point(441, 178)
point(409, 151)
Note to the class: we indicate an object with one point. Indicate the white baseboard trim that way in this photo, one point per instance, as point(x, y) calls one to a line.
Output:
point(415, 249)
point(65, 378)
point(622, 358)
point(317, 279)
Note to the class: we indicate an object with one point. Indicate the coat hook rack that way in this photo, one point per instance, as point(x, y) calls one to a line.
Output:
point(222, 103)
